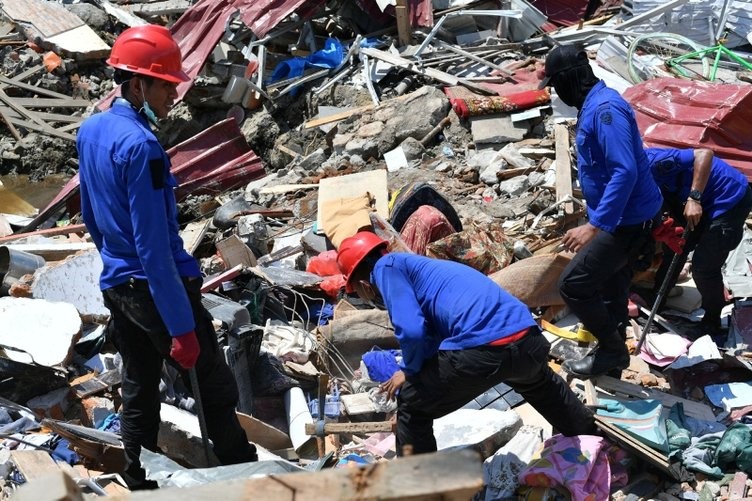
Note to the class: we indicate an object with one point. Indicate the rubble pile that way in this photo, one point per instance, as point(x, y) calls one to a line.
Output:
point(423, 121)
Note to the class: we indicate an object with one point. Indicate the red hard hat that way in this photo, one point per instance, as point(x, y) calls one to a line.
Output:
point(353, 249)
point(148, 50)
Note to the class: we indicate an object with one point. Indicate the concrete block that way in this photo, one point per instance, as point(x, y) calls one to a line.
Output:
point(314, 160)
point(74, 280)
point(339, 143)
point(44, 329)
point(486, 429)
point(514, 187)
point(497, 129)
point(371, 129)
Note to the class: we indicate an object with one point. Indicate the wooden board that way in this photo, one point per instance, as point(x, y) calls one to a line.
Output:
point(96, 384)
point(37, 102)
point(34, 464)
point(563, 166)
point(193, 233)
point(235, 252)
point(448, 475)
point(263, 434)
point(365, 427)
point(691, 408)
point(353, 185)
point(648, 454)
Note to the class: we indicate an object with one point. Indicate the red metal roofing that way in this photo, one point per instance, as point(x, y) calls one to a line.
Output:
point(688, 114)
point(215, 160)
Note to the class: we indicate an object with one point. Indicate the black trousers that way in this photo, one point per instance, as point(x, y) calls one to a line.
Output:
point(450, 379)
point(139, 334)
point(595, 284)
point(712, 241)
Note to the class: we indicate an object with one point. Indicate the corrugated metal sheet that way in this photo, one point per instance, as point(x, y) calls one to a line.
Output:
point(695, 20)
point(212, 161)
point(739, 20)
point(686, 114)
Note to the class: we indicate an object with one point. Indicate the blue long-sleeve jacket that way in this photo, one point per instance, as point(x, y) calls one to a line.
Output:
point(673, 170)
point(435, 305)
point(612, 167)
point(129, 208)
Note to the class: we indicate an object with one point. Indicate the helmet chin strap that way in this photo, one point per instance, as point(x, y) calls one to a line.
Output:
point(146, 109)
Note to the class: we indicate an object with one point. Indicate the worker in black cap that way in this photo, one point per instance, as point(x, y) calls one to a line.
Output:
point(623, 206)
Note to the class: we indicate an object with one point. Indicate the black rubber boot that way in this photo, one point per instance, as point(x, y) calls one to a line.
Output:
point(609, 357)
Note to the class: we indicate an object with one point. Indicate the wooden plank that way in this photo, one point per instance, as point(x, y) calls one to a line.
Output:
point(563, 166)
point(51, 232)
point(43, 129)
point(235, 252)
point(49, 117)
point(29, 73)
point(449, 475)
point(691, 408)
point(96, 384)
point(12, 103)
point(217, 280)
point(193, 233)
point(263, 434)
point(336, 117)
point(364, 427)
point(41, 102)
point(34, 464)
point(8, 123)
point(31, 88)
point(165, 8)
point(591, 398)
point(648, 454)
point(286, 188)
point(404, 32)
point(54, 252)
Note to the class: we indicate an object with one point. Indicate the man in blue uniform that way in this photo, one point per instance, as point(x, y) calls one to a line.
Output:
point(151, 285)
point(713, 199)
point(623, 206)
point(460, 334)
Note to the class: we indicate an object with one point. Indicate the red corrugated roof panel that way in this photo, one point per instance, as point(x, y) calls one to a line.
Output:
point(688, 114)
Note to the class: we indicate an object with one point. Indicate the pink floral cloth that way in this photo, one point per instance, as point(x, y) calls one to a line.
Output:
point(586, 465)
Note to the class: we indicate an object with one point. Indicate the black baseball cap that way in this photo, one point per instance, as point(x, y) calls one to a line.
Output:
point(563, 58)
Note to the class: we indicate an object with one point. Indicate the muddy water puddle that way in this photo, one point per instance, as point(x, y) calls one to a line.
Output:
point(38, 194)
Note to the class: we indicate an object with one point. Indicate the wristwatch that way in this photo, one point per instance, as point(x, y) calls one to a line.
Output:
point(695, 195)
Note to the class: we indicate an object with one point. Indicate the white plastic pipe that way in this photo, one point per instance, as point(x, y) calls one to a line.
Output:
point(298, 416)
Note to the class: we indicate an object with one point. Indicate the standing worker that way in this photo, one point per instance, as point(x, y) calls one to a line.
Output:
point(713, 199)
point(623, 206)
point(150, 284)
point(460, 334)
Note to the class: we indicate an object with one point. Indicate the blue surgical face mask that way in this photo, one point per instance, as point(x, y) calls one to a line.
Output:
point(148, 111)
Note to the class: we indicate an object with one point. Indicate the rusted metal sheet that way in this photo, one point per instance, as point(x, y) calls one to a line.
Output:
point(210, 162)
point(686, 114)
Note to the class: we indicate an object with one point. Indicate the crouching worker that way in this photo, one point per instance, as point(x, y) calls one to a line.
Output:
point(460, 334)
